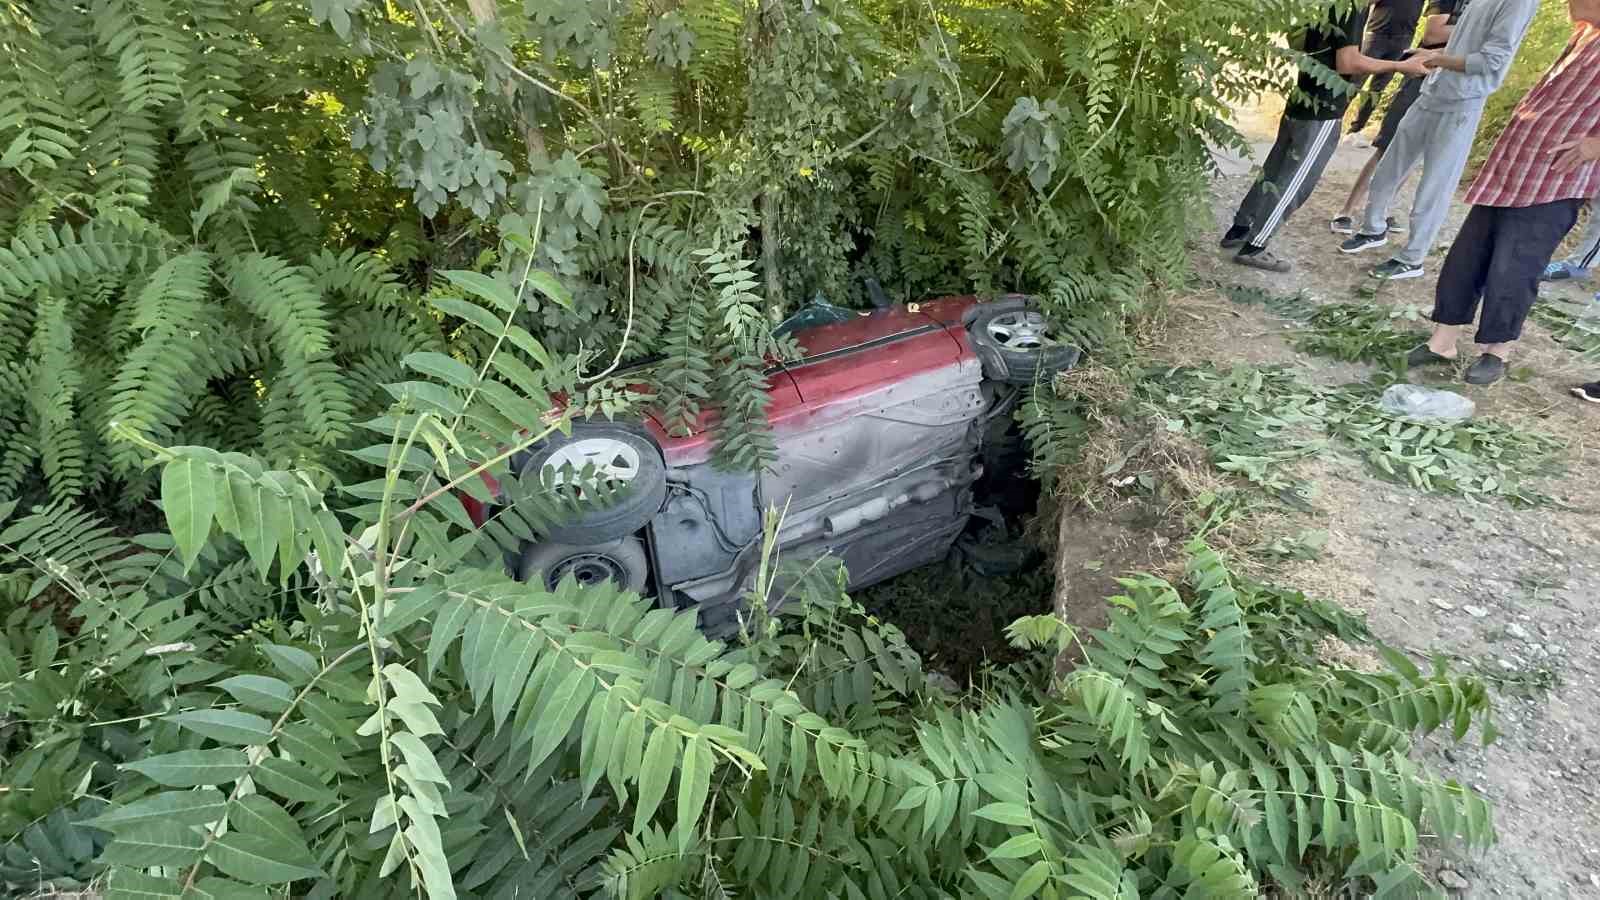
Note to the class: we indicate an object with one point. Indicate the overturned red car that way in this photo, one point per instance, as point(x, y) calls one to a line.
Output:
point(885, 427)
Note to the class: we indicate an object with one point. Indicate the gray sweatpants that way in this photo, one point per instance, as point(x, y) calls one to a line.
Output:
point(1290, 174)
point(1442, 142)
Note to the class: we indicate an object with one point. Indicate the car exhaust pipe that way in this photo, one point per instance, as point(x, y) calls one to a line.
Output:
point(879, 507)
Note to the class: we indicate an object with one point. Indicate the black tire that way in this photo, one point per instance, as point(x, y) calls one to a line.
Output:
point(622, 562)
point(1017, 355)
point(647, 480)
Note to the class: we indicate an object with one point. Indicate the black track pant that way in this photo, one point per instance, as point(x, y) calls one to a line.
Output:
point(1497, 258)
point(1288, 177)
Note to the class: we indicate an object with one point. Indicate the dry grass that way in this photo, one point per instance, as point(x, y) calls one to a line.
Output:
point(1134, 471)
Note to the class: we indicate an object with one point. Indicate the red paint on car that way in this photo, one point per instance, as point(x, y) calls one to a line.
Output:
point(842, 362)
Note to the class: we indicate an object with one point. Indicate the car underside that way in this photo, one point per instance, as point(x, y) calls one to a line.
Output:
point(884, 429)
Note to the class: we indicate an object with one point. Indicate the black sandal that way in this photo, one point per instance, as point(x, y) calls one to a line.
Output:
point(1424, 356)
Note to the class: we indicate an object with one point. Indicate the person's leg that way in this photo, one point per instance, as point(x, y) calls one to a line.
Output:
point(1311, 146)
point(1525, 238)
point(1461, 279)
point(1446, 148)
point(1410, 89)
point(1368, 104)
point(1358, 191)
point(1265, 190)
point(1410, 141)
point(1587, 255)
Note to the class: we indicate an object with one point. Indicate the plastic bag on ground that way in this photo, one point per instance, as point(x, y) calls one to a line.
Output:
point(1413, 401)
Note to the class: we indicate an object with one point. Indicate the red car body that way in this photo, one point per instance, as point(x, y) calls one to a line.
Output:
point(844, 362)
point(841, 361)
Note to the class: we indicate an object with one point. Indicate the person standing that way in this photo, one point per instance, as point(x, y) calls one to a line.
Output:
point(1439, 128)
point(1307, 135)
point(1390, 27)
point(1585, 257)
point(1442, 15)
point(1542, 170)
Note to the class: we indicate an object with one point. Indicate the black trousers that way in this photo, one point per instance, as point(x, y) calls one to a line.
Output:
point(1410, 90)
point(1377, 46)
point(1289, 175)
point(1497, 258)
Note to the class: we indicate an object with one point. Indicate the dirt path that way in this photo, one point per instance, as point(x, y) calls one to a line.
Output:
point(1514, 593)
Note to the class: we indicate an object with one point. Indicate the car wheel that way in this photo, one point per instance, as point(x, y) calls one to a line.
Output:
point(611, 453)
point(622, 562)
point(1017, 344)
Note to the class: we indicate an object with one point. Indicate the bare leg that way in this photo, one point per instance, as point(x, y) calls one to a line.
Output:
point(1443, 340)
point(1357, 201)
point(1501, 350)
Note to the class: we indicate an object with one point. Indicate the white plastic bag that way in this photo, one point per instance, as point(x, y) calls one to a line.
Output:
point(1413, 401)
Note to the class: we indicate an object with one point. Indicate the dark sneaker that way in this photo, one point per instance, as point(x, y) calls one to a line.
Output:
point(1588, 392)
point(1561, 270)
point(1342, 225)
point(1235, 237)
point(1395, 270)
point(1487, 370)
point(1424, 356)
point(1396, 226)
point(1362, 241)
point(1262, 259)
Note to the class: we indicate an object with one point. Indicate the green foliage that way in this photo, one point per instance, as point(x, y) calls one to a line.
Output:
point(1055, 428)
point(316, 682)
point(1361, 332)
point(1478, 456)
point(222, 221)
point(469, 734)
point(962, 146)
point(1577, 332)
point(168, 189)
point(1546, 38)
point(1255, 422)
point(408, 720)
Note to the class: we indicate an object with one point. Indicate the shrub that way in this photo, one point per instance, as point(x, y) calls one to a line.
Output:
point(422, 724)
point(220, 220)
point(1551, 28)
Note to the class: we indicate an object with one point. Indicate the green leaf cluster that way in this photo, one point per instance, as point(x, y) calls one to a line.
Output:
point(222, 223)
point(172, 175)
point(1257, 422)
point(422, 724)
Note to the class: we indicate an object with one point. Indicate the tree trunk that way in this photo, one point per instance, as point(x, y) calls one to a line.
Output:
point(770, 21)
point(776, 308)
point(484, 13)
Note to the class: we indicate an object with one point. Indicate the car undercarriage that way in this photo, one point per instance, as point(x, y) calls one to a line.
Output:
point(887, 431)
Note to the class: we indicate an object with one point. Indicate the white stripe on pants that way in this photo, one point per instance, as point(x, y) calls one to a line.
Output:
point(1314, 161)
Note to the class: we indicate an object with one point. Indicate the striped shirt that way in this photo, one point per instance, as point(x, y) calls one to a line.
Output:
point(1563, 106)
